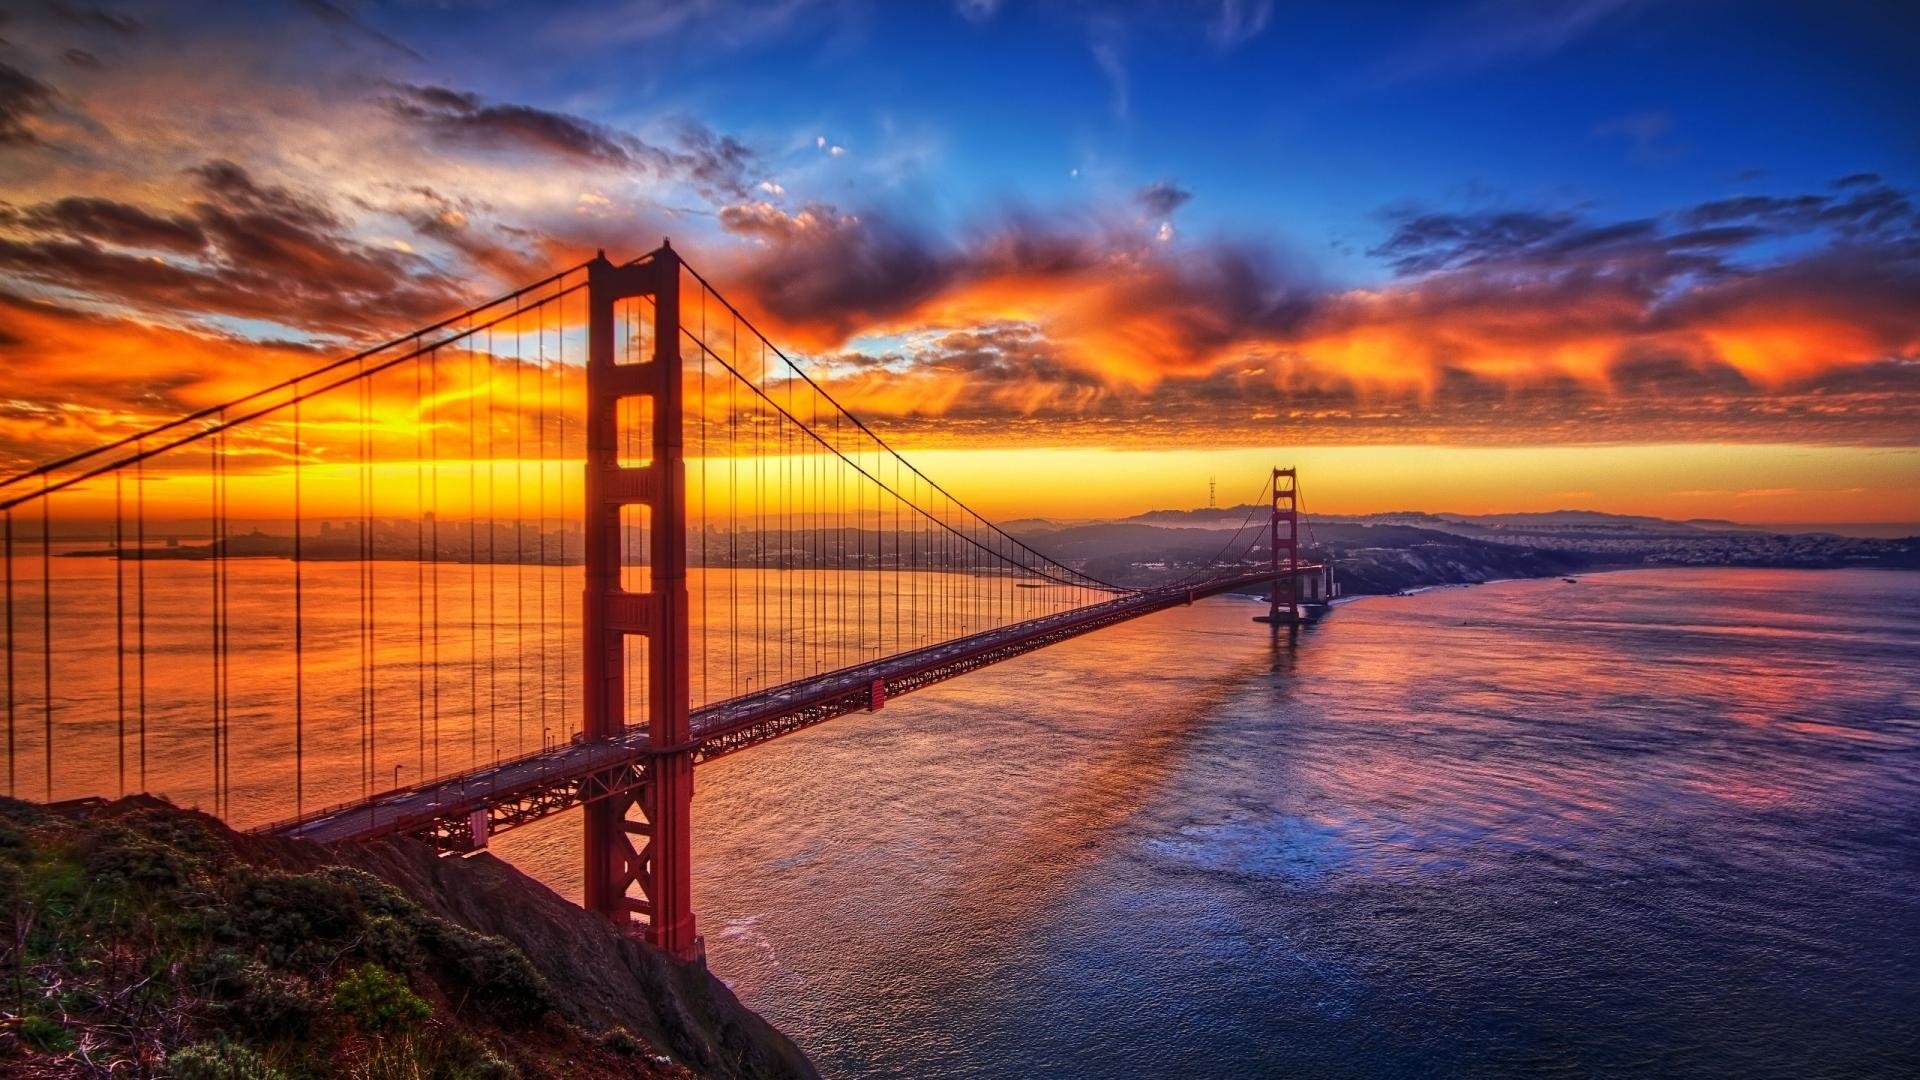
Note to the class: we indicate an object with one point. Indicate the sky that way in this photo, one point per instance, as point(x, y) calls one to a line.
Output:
point(1495, 256)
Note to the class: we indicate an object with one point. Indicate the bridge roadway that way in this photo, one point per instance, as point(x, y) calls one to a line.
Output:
point(446, 812)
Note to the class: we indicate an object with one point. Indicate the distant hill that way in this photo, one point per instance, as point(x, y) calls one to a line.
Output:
point(1403, 549)
point(1598, 522)
point(1209, 518)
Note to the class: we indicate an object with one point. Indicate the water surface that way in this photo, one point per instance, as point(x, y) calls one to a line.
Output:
point(1655, 822)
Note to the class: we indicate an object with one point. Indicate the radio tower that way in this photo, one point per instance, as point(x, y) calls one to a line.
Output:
point(1210, 504)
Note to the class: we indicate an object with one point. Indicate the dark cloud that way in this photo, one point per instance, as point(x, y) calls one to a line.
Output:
point(835, 272)
point(1518, 325)
point(80, 58)
point(715, 164)
point(1162, 198)
point(1695, 245)
point(955, 392)
point(1868, 291)
point(1225, 409)
point(21, 96)
point(824, 275)
point(115, 222)
point(458, 117)
point(243, 249)
point(1039, 245)
point(1422, 242)
point(1864, 205)
point(1795, 209)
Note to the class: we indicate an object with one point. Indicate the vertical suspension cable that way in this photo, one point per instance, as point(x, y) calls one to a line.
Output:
point(473, 575)
point(760, 526)
point(733, 519)
point(46, 622)
point(493, 570)
point(840, 550)
point(299, 631)
point(519, 534)
point(898, 577)
point(226, 631)
point(373, 610)
point(541, 440)
point(791, 638)
point(706, 522)
point(814, 523)
point(140, 595)
point(420, 563)
point(11, 695)
point(119, 633)
point(433, 537)
point(214, 608)
point(221, 570)
point(561, 513)
point(364, 566)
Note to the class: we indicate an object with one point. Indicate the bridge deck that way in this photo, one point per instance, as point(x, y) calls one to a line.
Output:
point(524, 789)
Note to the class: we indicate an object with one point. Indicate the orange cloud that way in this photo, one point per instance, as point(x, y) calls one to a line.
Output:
point(1546, 302)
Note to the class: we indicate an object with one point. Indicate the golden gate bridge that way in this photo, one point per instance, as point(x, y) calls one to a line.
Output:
point(550, 553)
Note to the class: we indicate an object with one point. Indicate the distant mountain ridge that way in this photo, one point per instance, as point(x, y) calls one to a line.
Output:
point(1412, 548)
point(1228, 517)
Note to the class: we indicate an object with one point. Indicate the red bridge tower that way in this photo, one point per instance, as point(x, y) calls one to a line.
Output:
point(1285, 512)
point(650, 850)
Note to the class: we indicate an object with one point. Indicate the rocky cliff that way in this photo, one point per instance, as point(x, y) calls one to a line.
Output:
point(142, 940)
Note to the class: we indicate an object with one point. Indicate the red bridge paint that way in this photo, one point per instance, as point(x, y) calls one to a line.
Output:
point(632, 776)
point(635, 781)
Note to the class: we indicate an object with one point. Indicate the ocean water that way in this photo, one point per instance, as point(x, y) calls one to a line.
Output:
point(1657, 822)
point(1653, 823)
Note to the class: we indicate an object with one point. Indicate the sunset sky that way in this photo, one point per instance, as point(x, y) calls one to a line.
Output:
point(1506, 255)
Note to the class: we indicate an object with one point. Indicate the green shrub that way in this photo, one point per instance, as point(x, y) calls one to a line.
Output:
point(378, 1002)
point(297, 918)
point(176, 830)
point(376, 896)
point(490, 1066)
point(46, 1036)
point(124, 858)
point(495, 968)
point(219, 1061)
point(392, 942)
point(621, 1041)
point(268, 1004)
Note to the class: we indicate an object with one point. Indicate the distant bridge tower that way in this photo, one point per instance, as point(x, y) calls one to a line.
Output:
point(1286, 488)
point(660, 786)
point(1211, 505)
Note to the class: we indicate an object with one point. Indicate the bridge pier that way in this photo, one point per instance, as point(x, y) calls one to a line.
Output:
point(661, 865)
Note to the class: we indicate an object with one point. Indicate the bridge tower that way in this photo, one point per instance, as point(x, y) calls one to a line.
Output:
point(1286, 487)
point(653, 805)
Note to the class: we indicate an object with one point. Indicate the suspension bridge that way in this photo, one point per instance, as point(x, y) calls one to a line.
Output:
point(550, 553)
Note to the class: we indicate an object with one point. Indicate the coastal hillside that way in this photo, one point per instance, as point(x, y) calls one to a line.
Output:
point(144, 940)
point(1372, 559)
point(1386, 553)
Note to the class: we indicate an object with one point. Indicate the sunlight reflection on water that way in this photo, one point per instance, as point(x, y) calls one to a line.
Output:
point(1658, 821)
